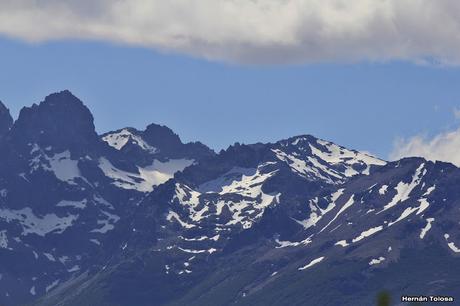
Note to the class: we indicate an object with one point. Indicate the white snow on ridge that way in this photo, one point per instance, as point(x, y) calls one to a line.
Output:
point(342, 209)
point(117, 140)
point(368, 233)
point(426, 228)
point(49, 256)
point(209, 251)
point(336, 195)
point(173, 215)
point(147, 177)
point(429, 190)
point(317, 213)
point(423, 205)
point(52, 286)
point(201, 238)
point(95, 241)
point(311, 221)
point(324, 168)
point(312, 263)
point(186, 195)
point(285, 244)
point(120, 139)
point(408, 211)
point(342, 243)
point(107, 223)
point(376, 261)
point(340, 155)
point(64, 168)
point(383, 189)
point(31, 224)
point(245, 182)
point(74, 269)
point(403, 190)
point(231, 180)
point(160, 172)
point(301, 167)
point(451, 245)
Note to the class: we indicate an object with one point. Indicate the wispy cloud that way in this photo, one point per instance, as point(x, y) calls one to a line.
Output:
point(444, 147)
point(251, 31)
point(456, 112)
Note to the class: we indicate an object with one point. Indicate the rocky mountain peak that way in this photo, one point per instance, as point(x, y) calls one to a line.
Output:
point(6, 121)
point(60, 121)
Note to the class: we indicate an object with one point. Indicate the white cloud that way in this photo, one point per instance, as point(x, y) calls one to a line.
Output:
point(251, 31)
point(443, 147)
point(456, 112)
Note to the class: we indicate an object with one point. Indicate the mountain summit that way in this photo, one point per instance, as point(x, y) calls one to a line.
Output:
point(61, 120)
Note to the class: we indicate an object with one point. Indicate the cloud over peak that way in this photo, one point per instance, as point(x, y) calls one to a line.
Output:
point(443, 147)
point(251, 31)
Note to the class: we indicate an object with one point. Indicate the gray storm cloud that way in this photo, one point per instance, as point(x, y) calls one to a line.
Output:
point(251, 31)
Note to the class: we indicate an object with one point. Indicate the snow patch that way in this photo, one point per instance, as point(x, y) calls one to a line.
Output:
point(74, 269)
point(284, 244)
point(147, 177)
point(367, 233)
point(403, 190)
point(120, 139)
point(312, 263)
point(376, 261)
point(426, 228)
point(107, 223)
point(31, 224)
point(406, 213)
point(342, 243)
point(64, 168)
point(317, 213)
point(451, 245)
point(209, 251)
point(49, 256)
point(173, 215)
point(347, 205)
point(383, 189)
point(345, 157)
point(95, 241)
point(302, 168)
point(52, 285)
point(429, 190)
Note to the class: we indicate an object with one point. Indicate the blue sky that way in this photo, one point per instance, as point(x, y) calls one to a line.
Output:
point(380, 76)
point(365, 106)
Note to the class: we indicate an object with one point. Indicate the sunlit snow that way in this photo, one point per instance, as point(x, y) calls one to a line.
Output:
point(120, 139)
point(426, 228)
point(312, 263)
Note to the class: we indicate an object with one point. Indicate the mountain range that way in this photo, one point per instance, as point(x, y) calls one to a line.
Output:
point(135, 217)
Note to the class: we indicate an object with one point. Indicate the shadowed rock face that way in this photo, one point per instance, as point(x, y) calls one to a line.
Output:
point(6, 121)
point(61, 121)
point(162, 137)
